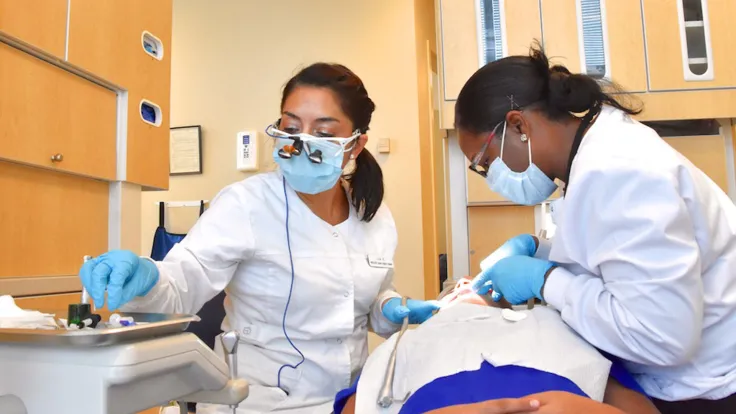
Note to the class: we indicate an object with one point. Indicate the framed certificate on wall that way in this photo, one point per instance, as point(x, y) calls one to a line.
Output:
point(185, 150)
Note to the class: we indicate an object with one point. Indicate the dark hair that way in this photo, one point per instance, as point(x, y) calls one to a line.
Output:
point(366, 181)
point(528, 82)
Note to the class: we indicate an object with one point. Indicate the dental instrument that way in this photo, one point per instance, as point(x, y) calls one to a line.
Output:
point(85, 294)
point(386, 396)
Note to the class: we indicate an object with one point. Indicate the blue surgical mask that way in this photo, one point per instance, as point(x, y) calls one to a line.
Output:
point(306, 177)
point(529, 187)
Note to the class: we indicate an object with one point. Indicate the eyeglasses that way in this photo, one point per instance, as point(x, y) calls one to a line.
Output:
point(475, 163)
point(316, 147)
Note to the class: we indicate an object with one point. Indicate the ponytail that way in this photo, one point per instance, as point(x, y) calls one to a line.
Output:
point(366, 185)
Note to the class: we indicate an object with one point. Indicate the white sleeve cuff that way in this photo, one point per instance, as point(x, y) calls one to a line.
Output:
point(543, 249)
point(155, 297)
point(556, 287)
point(382, 326)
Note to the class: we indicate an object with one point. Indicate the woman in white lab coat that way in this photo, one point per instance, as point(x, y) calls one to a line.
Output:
point(305, 257)
point(643, 262)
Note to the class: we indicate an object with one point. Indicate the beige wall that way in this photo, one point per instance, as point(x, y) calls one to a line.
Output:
point(230, 59)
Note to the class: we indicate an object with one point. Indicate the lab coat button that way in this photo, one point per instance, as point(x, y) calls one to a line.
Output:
point(335, 235)
point(346, 294)
point(246, 331)
point(339, 341)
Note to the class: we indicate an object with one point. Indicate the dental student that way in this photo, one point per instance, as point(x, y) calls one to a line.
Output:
point(305, 254)
point(643, 262)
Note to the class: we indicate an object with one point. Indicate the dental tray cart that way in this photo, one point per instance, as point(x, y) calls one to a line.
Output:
point(115, 371)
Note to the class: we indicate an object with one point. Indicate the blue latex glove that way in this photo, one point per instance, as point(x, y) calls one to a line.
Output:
point(418, 310)
point(122, 273)
point(517, 278)
point(521, 245)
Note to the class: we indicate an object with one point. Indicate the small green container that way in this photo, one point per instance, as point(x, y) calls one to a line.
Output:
point(78, 312)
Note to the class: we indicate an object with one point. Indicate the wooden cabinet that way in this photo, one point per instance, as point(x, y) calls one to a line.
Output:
point(110, 39)
point(459, 44)
point(647, 47)
point(69, 69)
point(49, 221)
point(708, 153)
point(48, 112)
point(459, 36)
point(623, 59)
point(148, 145)
point(696, 56)
point(41, 23)
point(106, 38)
point(625, 45)
point(49, 303)
point(523, 25)
point(490, 226)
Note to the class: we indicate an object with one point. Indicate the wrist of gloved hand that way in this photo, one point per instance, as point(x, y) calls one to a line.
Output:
point(519, 278)
point(152, 275)
point(418, 311)
point(546, 277)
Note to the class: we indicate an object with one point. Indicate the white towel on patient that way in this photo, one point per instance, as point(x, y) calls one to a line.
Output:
point(461, 337)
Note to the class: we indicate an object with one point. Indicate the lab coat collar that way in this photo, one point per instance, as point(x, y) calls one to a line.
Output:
point(607, 115)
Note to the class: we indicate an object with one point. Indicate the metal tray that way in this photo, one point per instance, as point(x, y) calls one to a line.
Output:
point(148, 325)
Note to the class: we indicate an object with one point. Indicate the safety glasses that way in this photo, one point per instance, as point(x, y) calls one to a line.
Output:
point(316, 147)
point(479, 163)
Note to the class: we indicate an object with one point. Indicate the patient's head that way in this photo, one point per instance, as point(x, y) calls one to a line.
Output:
point(463, 292)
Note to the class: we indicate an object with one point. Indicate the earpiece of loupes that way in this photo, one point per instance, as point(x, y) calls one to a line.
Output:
point(386, 396)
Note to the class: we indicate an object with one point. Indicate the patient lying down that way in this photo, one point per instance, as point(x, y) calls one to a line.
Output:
point(475, 357)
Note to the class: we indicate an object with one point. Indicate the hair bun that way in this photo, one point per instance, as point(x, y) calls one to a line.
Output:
point(572, 92)
point(540, 61)
point(559, 69)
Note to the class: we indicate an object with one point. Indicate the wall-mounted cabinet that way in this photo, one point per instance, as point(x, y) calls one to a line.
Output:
point(660, 50)
point(50, 221)
point(41, 23)
point(52, 118)
point(690, 43)
point(128, 43)
point(587, 36)
point(84, 107)
point(474, 32)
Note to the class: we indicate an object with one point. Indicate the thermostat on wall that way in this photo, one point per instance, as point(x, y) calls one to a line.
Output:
point(247, 151)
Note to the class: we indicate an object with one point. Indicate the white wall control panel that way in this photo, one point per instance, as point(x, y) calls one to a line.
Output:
point(247, 151)
point(384, 145)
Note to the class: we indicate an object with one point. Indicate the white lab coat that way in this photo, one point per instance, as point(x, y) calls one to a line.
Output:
point(240, 245)
point(647, 244)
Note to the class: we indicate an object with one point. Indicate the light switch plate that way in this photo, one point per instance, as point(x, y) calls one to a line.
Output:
point(384, 145)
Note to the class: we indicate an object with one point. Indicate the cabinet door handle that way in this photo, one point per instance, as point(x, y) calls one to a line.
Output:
point(57, 158)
